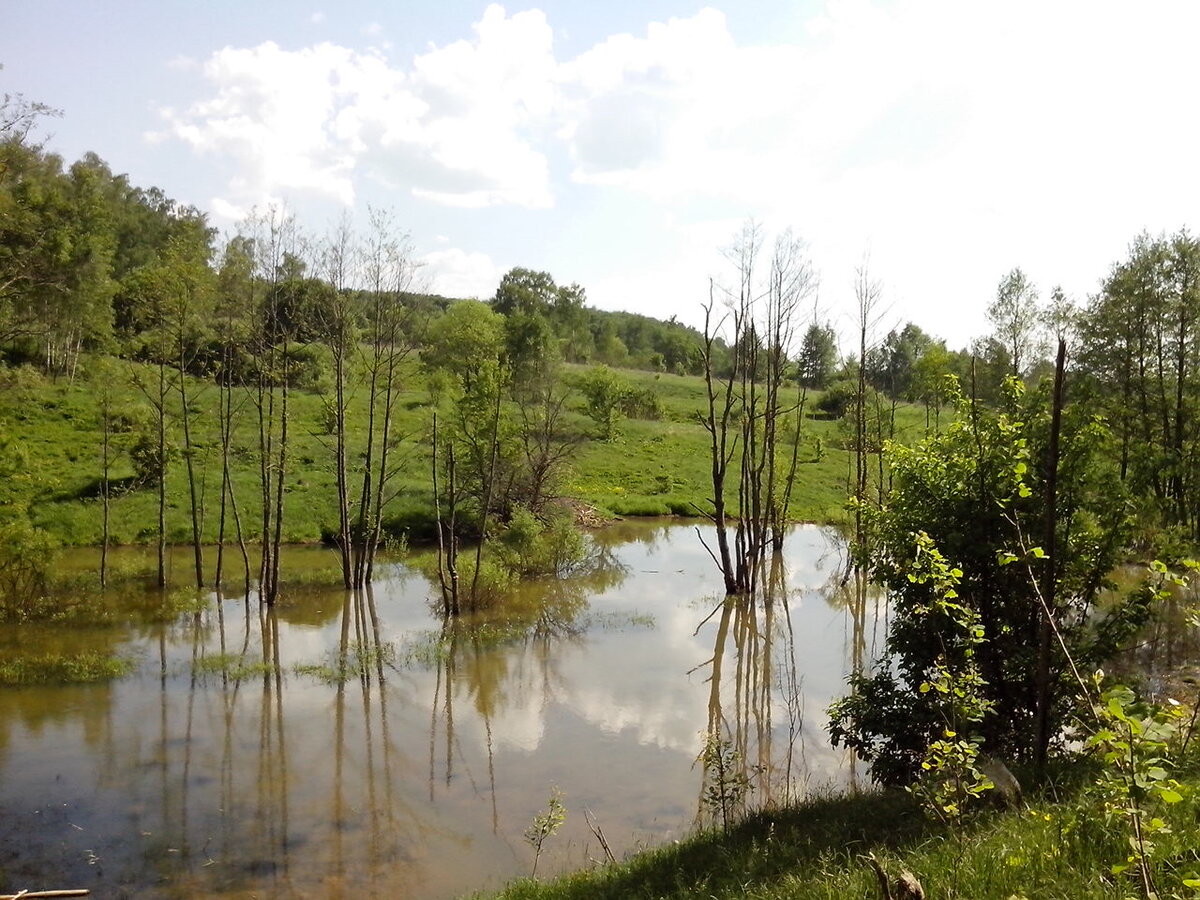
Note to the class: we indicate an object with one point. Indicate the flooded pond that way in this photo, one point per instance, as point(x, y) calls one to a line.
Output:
point(349, 745)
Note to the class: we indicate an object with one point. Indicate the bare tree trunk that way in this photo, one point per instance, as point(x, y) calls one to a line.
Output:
point(761, 322)
point(188, 448)
point(487, 500)
point(1049, 576)
point(280, 475)
point(162, 472)
point(717, 421)
point(866, 293)
point(104, 387)
point(225, 415)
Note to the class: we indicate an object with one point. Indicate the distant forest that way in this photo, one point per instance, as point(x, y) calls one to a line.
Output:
point(80, 248)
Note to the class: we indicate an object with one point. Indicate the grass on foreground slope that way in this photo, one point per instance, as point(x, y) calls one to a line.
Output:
point(1043, 850)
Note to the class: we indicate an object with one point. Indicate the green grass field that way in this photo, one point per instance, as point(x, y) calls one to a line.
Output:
point(650, 468)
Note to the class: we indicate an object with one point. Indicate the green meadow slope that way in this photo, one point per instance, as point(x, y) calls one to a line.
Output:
point(652, 467)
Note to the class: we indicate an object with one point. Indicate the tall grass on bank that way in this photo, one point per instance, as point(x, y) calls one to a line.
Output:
point(1046, 849)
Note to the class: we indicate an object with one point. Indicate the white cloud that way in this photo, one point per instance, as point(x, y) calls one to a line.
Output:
point(222, 209)
point(954, 140)
point(451, 128)
point(457, 273)
point(317, 18)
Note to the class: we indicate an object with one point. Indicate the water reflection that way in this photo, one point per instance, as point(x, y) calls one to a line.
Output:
point(756, 703)
point(349, 743)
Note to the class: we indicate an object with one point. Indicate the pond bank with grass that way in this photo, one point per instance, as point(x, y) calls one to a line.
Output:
point(1059, 844)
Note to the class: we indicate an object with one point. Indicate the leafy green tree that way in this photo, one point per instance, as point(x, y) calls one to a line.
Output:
point(1015, 320)
point(535, 309)
point(978, 491)
point(891, 367)
point(609, 348)
point(604, 392)
point(24, 240)
point(524, 290)
point(930, 381)
point(530, 348)
point(55, 252)
point(465, 336)
point(1140, 356)
point(818, 356)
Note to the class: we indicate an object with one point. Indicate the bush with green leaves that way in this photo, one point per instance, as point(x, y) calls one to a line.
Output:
point(1137, 743)
point(529, 545)
point(837, 398)
point(977, 491)
point(605, 394)
point(727, 783)
point(545, 825)
point(27, 553)
point(642, 403)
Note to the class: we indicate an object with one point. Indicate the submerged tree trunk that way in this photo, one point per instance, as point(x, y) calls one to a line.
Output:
point(745, 410)
point(189, 463)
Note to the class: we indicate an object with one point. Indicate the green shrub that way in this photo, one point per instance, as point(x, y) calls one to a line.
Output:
point(27, 556)
point(642, 403)
point(530, 545)
point(838, 398)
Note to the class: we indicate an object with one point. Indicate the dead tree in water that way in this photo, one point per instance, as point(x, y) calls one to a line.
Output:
point(746, 400)
point(278, 268)
point(389, 271)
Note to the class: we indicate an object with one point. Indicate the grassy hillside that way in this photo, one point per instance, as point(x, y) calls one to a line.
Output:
point(651, 467)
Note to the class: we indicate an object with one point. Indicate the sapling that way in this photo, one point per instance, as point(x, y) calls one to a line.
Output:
point(727, 781)
point(545, 824)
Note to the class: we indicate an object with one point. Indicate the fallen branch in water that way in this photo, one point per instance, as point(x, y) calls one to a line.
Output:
point(595, 827)
point(34, 895)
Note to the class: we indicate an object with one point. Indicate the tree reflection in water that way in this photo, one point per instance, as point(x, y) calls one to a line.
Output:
point(536, 622)
point(756, 699)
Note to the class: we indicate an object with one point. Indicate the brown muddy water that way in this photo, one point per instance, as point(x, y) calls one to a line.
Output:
point(350, 745)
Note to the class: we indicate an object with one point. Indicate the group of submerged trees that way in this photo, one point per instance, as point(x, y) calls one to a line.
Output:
point(1071, 444)
point(93, 266)
point(1031, 494)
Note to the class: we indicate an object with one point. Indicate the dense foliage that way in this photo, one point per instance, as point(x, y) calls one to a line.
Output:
point(975, 494)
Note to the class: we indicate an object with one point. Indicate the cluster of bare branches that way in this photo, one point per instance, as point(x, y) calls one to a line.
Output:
point(750, 399)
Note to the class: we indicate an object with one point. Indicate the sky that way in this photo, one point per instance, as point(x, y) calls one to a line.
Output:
point(622, 145)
